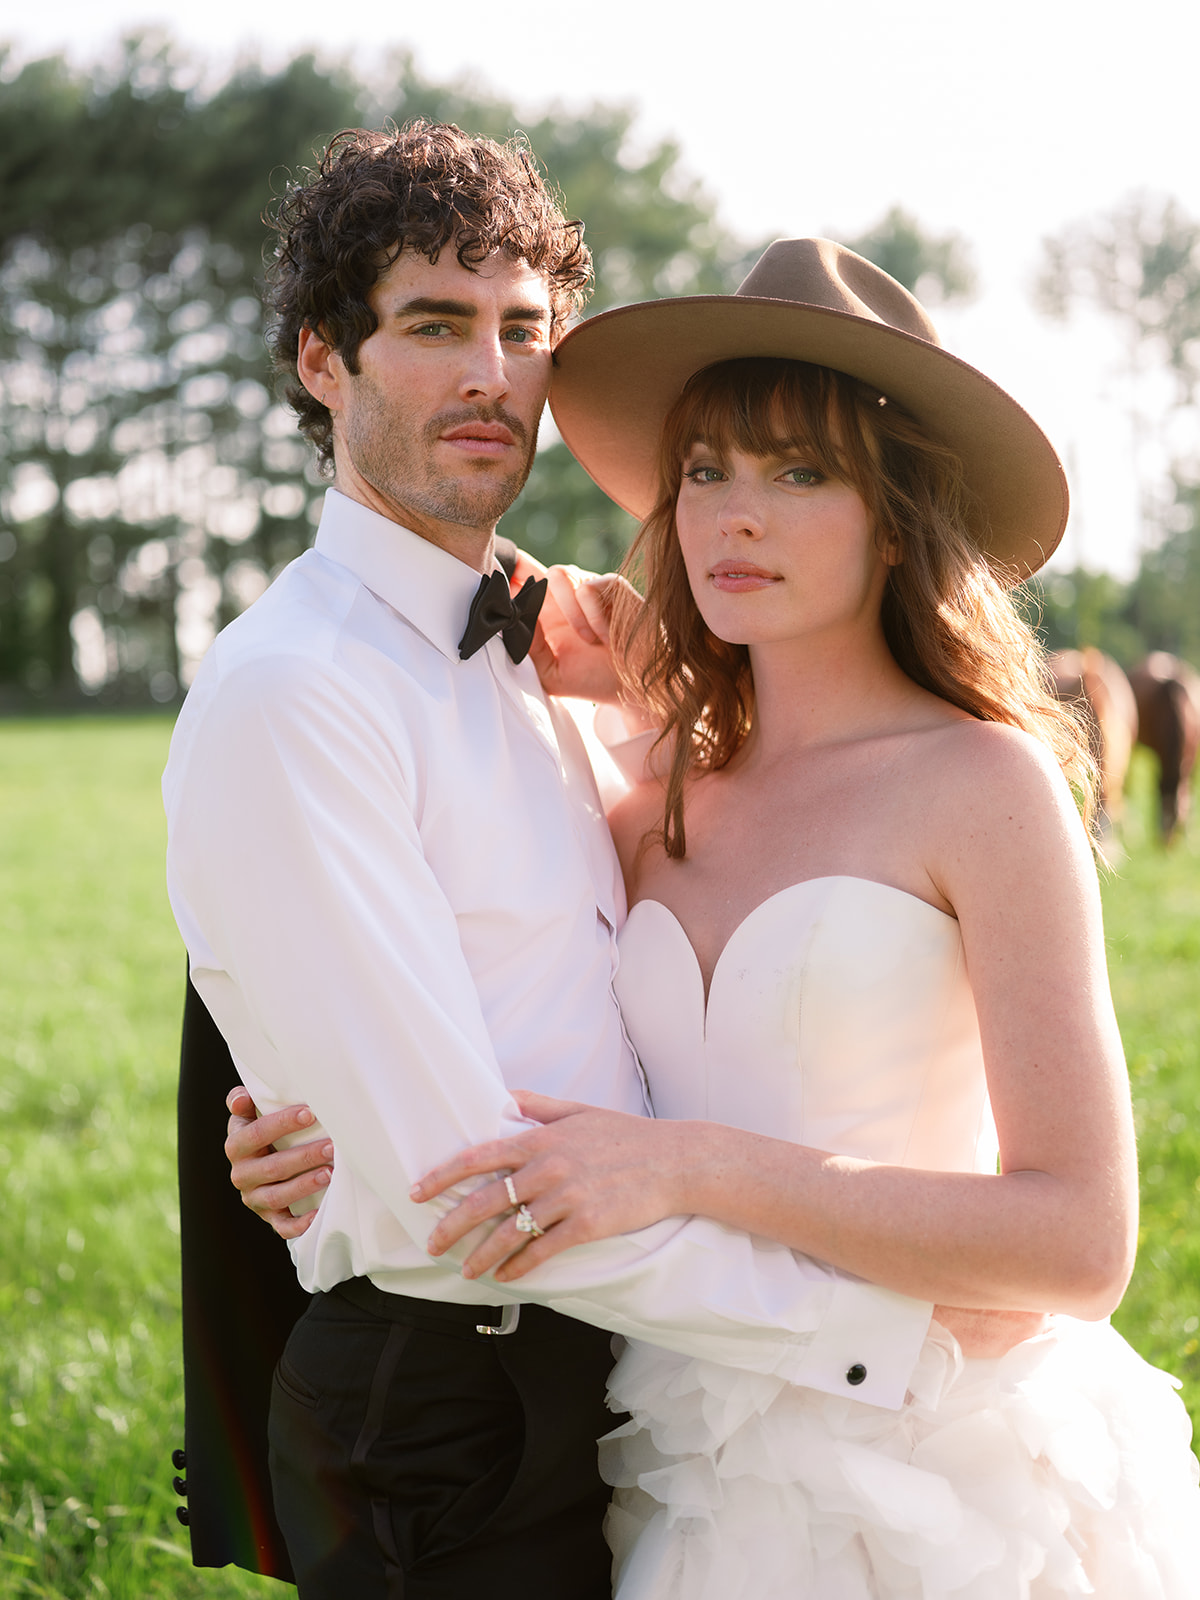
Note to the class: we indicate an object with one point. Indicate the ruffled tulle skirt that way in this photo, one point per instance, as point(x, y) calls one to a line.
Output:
point(1062, 1469)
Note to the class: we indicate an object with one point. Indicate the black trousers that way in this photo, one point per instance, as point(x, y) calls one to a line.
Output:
point(414, 1458)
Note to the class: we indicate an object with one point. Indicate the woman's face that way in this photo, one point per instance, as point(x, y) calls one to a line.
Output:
point(774, 548)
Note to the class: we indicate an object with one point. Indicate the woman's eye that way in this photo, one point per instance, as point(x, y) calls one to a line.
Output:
point(802, 477)
point(704, 474)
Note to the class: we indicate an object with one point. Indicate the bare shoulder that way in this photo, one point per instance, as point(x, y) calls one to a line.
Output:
point(991, 760)
point(637, 816)
point(1000, 805)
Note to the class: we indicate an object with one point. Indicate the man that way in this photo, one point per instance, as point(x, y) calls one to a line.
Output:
point(394, 879)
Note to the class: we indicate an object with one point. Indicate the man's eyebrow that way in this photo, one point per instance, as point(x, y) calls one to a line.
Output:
point(424, 305)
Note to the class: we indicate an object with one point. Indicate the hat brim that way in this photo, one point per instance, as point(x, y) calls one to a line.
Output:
point(617, 375)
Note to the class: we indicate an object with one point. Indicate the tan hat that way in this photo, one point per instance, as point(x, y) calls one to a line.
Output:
point(617, 375)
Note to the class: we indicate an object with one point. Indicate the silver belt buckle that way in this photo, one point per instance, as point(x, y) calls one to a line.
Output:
point(509, 1317)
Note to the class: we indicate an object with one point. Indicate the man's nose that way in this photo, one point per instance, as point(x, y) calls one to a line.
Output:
point(485, 371)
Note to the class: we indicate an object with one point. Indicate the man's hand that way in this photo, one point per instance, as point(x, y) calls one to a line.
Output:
point(990, 1333)
point(271, 1180)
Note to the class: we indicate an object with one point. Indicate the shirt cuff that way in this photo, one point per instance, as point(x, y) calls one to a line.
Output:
point(866, 1347)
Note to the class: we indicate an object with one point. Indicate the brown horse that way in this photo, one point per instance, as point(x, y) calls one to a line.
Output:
point(1095, 685)
point(1168, 702)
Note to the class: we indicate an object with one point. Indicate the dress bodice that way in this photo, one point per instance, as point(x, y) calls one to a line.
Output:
point(839, 1016)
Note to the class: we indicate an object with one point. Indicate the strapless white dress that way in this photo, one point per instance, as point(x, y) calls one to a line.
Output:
point(840, 1015)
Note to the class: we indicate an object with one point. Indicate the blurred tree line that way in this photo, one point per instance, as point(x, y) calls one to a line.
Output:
point(150, 483)
point(1138, 266)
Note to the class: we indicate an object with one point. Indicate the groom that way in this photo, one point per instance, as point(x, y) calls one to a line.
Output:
point(392, 873)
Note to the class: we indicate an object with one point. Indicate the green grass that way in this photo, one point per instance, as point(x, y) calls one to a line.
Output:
point(90, 1386)
point(1152, 913)
point(90, 1382)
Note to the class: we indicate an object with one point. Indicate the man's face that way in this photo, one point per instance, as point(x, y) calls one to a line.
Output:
point(438, 429)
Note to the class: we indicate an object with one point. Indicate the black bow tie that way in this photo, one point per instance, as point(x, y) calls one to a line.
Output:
point(495, 610)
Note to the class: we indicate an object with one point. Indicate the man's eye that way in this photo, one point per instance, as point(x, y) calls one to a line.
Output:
point(521, 335)
point(433, 330)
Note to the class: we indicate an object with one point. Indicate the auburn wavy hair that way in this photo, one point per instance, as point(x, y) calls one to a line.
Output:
point(426, 187)
point(948, 616)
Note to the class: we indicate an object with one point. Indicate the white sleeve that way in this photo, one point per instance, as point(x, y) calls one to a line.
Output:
point(298, 878)
point(626, 757)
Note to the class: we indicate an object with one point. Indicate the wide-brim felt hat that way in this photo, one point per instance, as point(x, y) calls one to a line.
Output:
point(618, 374)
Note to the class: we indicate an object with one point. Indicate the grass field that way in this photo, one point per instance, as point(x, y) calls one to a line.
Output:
point(90, 999)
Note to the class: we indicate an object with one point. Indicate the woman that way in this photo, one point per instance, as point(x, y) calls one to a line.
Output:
point(863, 959)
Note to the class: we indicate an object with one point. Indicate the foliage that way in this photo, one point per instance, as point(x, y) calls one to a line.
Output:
point(90, 1386)
point(933, 268)
point(1164, 600)
point(142, 451)
point(651, 231)
point(1139, 267)
point(1080, 608)
point(152, 487)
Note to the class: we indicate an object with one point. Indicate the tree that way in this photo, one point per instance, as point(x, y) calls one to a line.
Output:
point(1165, 594)
point(935, 269)
point(132, 375)
point(1139, 266)
point(151, 485)
point(1073, 609)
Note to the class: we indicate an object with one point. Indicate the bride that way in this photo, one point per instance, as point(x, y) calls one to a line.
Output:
point(864, 967)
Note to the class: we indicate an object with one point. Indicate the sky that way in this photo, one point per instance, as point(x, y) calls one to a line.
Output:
point(1003, 124)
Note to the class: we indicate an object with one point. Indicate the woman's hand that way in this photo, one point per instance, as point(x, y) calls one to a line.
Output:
point(271, 1180)
point(571, 648)
point(585, 1174)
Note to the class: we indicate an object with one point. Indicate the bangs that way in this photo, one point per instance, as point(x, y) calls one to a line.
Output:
point(764, 406)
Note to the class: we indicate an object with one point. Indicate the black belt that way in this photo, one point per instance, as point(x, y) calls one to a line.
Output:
point(442, 1316)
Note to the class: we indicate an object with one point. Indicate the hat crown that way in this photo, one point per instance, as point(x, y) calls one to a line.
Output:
point(820, 273)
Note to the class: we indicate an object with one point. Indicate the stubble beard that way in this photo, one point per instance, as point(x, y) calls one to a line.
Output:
point(395, 454)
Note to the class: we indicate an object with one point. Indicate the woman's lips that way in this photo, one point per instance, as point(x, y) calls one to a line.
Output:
point(738, 577)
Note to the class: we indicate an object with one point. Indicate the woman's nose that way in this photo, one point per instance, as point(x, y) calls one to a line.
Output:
point(741, 512)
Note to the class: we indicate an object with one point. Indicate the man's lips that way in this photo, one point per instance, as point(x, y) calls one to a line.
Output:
point(736, 577)
point(480, 438)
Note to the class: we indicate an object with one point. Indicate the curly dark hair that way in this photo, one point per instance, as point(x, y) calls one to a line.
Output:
point(423, 187)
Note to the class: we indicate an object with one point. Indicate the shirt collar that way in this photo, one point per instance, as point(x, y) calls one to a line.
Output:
point(424, 583)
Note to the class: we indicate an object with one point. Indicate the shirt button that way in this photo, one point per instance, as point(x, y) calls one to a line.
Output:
point(856, 1374)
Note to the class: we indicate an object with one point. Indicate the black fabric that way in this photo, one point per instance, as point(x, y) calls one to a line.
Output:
point(416, 1459)
point(240, 1302)
point(505, 552)
point(494, 610)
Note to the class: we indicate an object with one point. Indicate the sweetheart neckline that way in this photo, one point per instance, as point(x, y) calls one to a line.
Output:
point(790, 888)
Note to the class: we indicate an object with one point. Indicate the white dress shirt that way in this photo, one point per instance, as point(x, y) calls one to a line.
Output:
point(399, 896)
